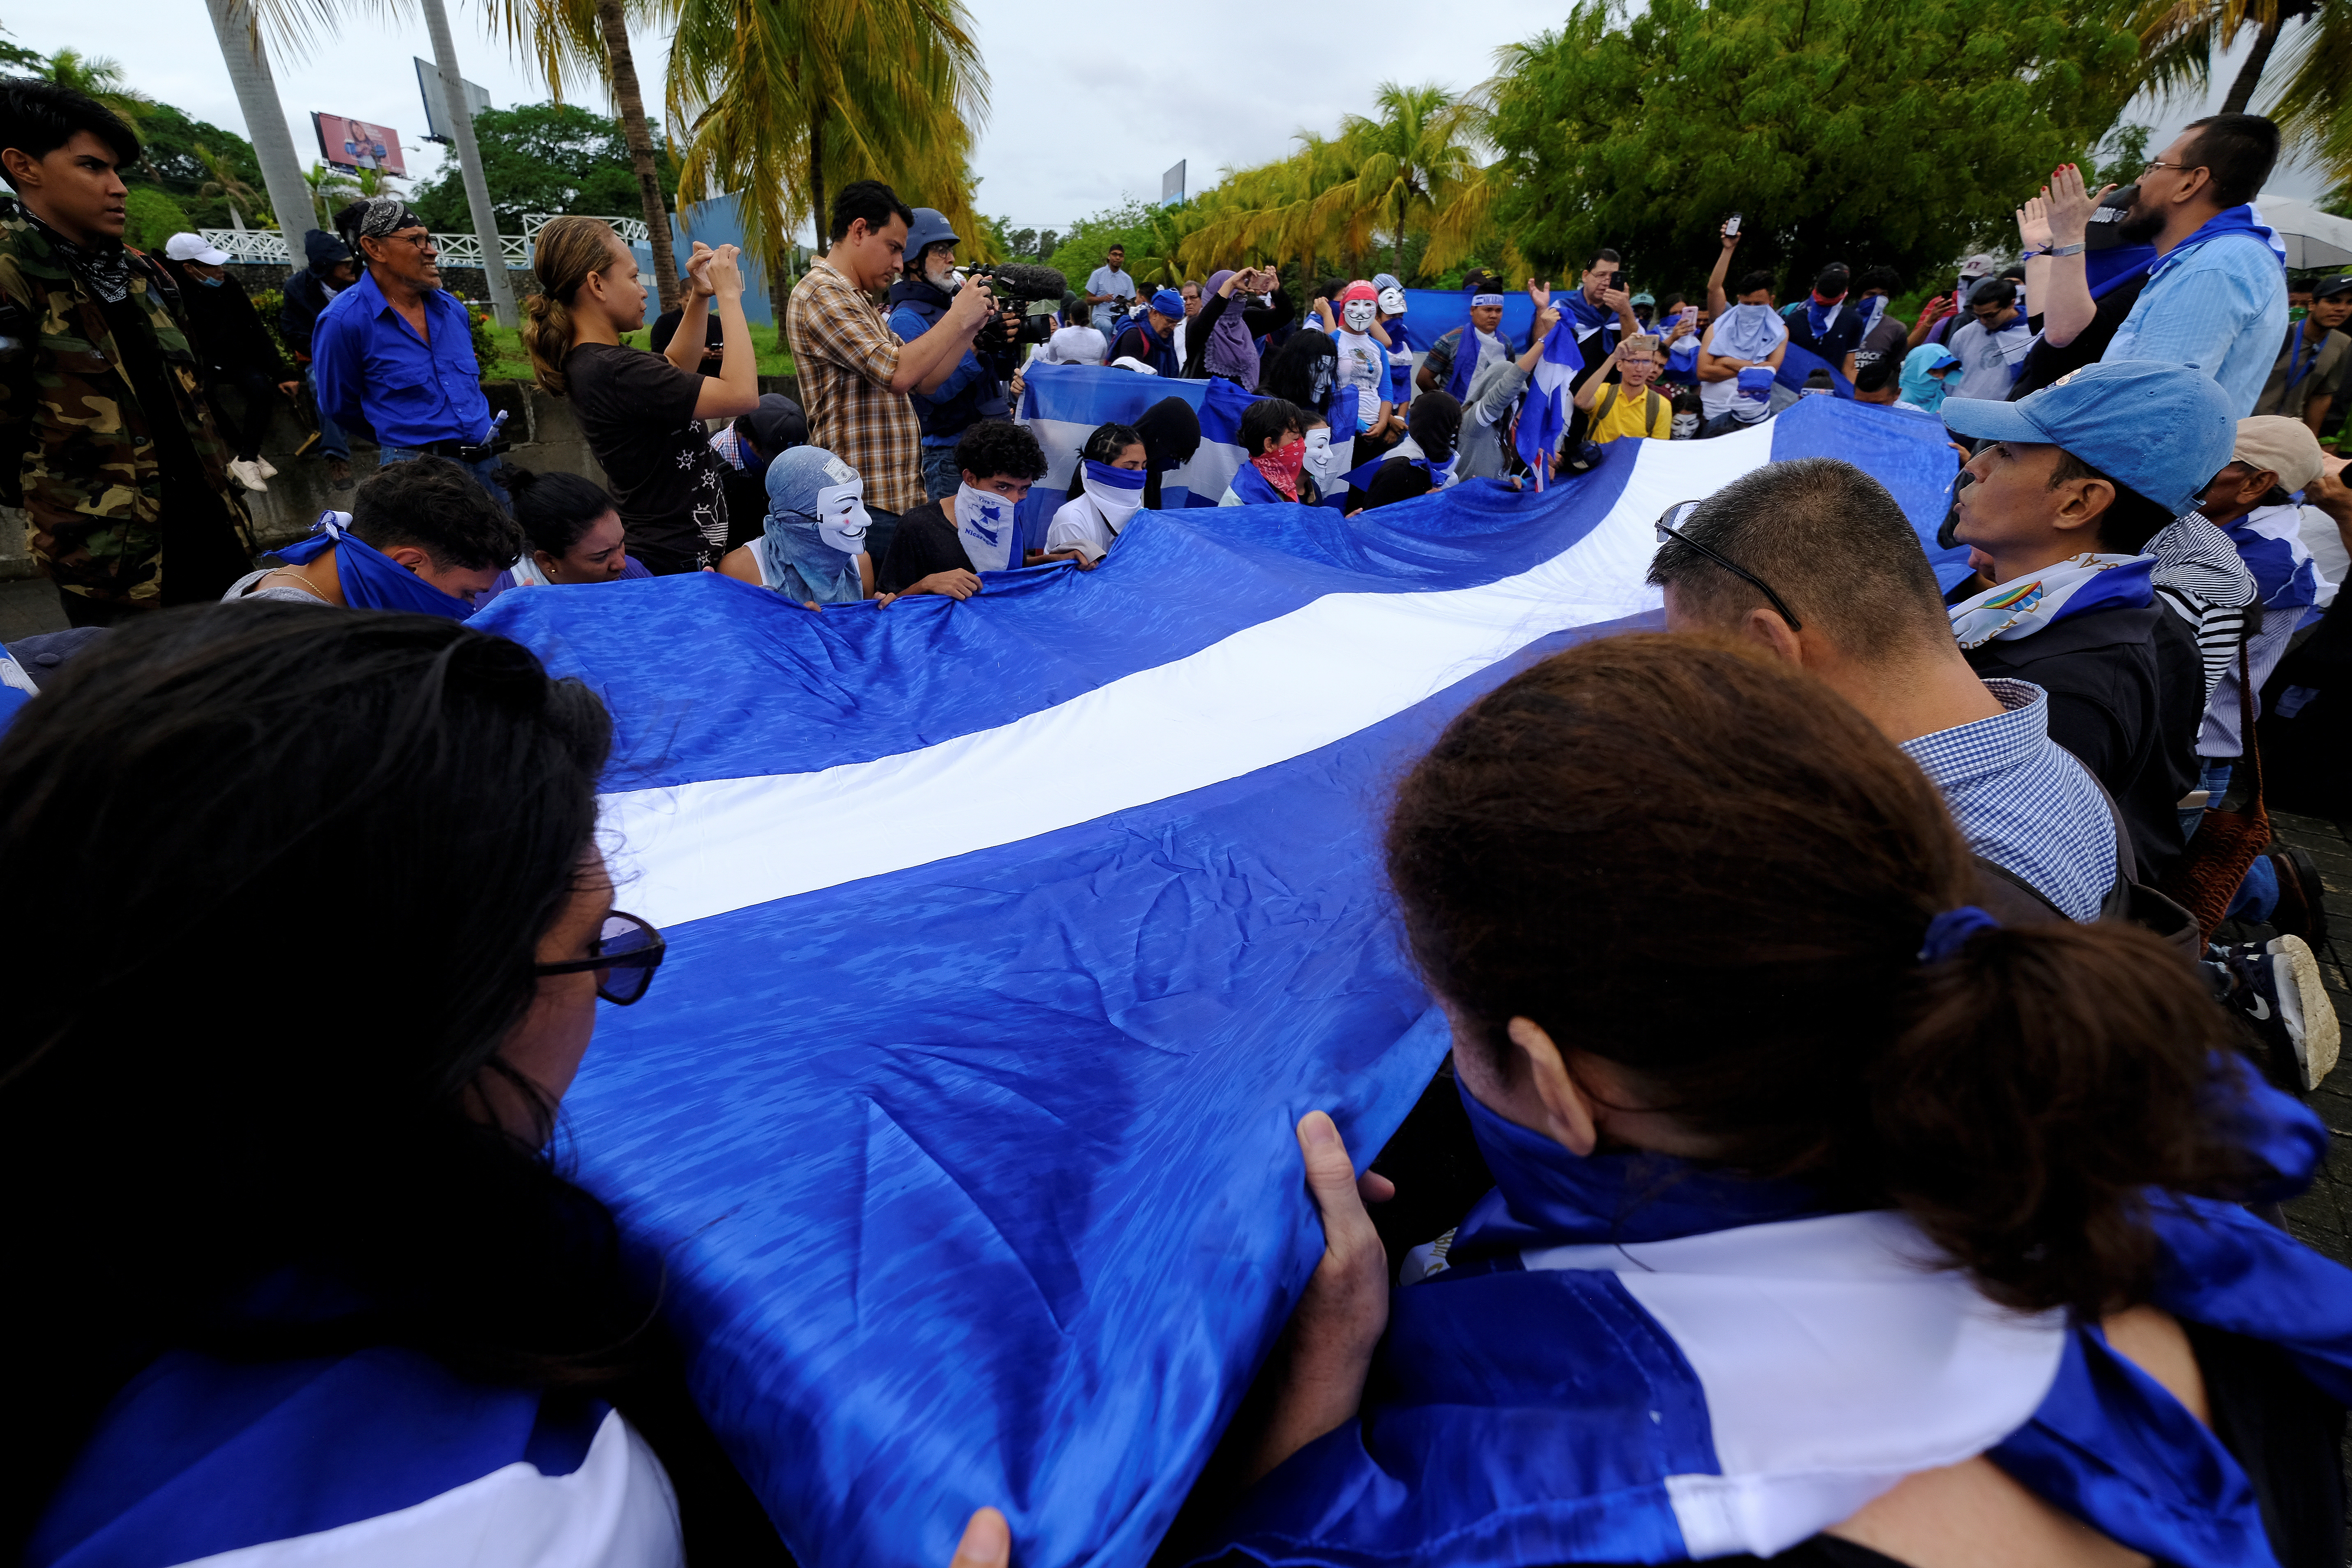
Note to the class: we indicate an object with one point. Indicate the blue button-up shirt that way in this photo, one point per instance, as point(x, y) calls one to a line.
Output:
point(2023, 802)
point(2221, 307)
point(370, 365)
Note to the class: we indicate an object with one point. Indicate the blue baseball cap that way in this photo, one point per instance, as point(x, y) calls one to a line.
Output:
point(2165, 430)
point(1169, 303)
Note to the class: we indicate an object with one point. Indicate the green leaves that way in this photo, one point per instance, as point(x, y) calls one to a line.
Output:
point(540, 158)
point(1842, 128)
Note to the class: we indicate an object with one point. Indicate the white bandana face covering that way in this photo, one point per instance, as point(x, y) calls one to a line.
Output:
point(1359, 314)
point(984, 528)
point(841, 520)
point(1118, 493)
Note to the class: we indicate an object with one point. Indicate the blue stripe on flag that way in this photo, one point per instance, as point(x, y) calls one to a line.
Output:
point(1009, 939)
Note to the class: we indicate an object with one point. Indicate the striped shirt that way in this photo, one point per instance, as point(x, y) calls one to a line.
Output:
point(845, 354)
point(2023, 802)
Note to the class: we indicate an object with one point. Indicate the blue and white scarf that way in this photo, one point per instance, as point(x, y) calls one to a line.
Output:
point(1746, 331)
point(371, 580)
point(2201, 579)
point(1471, 356)
point(2075, 587)
point(2239, 219)
point(1750, 1366)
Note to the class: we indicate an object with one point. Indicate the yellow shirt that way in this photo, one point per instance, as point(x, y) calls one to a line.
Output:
point(1618, 412)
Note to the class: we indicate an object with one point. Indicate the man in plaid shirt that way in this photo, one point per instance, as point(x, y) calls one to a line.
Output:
point(854, 372)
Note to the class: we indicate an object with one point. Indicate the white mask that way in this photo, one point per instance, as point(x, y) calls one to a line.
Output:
point(1686, 426)
point(1317, 464)
point(985, 527)
point(1359, 314)
point(841, 520)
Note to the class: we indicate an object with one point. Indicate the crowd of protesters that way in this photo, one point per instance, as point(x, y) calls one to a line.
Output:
point(2008, 965)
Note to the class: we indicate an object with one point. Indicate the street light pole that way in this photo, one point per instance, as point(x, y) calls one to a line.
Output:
point(469, 163)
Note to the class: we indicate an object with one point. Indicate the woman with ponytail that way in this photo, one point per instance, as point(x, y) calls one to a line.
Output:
point(1832, 1223)
point(641, 410)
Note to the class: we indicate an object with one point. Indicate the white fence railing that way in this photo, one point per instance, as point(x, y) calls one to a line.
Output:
point(263, 247)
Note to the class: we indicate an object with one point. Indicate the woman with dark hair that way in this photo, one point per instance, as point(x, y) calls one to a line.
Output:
point(1170, 432)
point(1832, 1223)
point(1304, 371)
point(1425, 460)
point(1274, 452)
point(574, 533)
point(320, 1270)
point(1106, 492)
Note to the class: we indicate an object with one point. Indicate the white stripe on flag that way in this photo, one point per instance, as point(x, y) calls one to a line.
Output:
point(1259, 697)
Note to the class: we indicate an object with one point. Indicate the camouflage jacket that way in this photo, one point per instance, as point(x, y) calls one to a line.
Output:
point(74, 447)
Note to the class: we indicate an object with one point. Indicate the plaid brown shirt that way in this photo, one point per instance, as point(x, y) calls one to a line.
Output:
point(844, 354)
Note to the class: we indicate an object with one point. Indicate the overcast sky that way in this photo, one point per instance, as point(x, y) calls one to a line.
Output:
point(1078, 123)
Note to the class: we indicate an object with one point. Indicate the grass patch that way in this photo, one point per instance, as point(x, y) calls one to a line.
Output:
point(511, 364)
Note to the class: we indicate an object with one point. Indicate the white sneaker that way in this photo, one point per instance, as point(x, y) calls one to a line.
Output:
point(2276, 988)
point(268, 469)
point(247, 474)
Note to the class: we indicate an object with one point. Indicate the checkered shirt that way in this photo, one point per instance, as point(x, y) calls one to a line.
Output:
point(2023, 802)
point(844, 354)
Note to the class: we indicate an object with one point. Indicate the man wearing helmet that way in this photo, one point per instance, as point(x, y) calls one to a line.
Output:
point(975, 389)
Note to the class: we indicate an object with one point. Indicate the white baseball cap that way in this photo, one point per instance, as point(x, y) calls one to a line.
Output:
point(195, 247)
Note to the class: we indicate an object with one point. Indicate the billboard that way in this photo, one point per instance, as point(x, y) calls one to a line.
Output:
point(428, 86)
point(1172, 185)
point(354, 144)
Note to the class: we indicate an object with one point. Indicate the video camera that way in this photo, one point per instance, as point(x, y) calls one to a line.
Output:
point(1018, 280)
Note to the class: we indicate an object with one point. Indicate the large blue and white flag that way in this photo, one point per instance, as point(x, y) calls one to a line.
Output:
point(1009, 939)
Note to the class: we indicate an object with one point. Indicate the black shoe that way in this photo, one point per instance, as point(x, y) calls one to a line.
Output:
point(2302, 906)
point(2274, 985)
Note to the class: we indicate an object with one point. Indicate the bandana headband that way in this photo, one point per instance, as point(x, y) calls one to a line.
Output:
point(387, 215)
point(1476, 300)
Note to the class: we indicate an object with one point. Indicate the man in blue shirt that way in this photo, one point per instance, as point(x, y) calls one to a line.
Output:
point(2216, 298)
point(969, 389)
point(1853, 600)
point(1108, 290)
point(395, 353)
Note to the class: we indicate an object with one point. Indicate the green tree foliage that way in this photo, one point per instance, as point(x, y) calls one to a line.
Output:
point(153, 218)
point(1150, 234)
point(15, 57)
point(1844, 129)
point(179, 156)
point(542, 158)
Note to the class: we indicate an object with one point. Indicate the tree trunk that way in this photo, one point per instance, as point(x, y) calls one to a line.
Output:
point(2250, 75)
point(469, 163)
point(816, 181)
point(631, 102)
point(264, 119)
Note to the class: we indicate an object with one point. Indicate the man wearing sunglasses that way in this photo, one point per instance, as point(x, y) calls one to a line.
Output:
point(395, 352)
point(1813, 562)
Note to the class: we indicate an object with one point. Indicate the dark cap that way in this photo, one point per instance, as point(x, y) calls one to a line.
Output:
point(2328, 288)
point(776, 425)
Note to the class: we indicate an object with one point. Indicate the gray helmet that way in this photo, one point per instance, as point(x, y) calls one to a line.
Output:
point(929, 229)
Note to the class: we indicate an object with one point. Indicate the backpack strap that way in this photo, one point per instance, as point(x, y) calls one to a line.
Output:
point(1649, 409)
point(1608, 402)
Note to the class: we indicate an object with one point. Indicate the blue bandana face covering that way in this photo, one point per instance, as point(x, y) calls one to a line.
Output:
point(371, 579)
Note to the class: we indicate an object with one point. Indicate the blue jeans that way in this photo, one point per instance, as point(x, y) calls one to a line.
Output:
point(940, 474)
point(485, 471)
point(332, 442)
point(2214, 778)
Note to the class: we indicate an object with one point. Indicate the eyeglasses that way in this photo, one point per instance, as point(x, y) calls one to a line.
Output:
point(628, 950)
point(423, 242)
point(1667, 530)
point(2159, 163)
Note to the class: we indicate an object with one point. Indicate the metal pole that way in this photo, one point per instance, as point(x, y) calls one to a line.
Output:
point(469, 163)
point(265, 120)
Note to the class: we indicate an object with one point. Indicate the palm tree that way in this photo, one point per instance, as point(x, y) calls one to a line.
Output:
point(225, 183)
point(571, 39)
point(1411, 164)
point(2311, 95)
point(237, 25)
point(100, 78)
point(784, 103)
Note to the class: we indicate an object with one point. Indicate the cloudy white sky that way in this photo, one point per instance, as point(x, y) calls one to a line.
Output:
point(1078, 121)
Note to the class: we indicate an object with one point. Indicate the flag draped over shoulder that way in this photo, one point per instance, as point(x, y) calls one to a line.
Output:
point(1552, 390)
point(1010, 938)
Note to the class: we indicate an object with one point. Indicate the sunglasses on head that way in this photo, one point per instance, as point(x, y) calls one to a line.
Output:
point(1667, 527)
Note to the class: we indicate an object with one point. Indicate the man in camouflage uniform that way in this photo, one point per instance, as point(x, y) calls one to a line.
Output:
point(105, 438)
